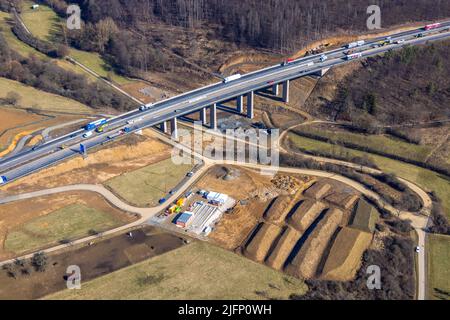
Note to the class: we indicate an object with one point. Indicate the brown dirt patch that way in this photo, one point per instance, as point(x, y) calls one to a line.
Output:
point(318, 190)
point(308, 258)
point(260, 243)
point(305, 214)
point(103, 257)
point(283, 248)
point(345, 256)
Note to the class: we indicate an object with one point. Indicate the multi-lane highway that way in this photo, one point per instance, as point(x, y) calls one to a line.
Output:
point(51, 152)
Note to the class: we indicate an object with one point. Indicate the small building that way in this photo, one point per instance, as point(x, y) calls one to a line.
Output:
point(183, 219)
point(216, 198)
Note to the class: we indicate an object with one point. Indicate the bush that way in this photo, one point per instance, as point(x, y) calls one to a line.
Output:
point(39, 261)
point(12, 98)
point(440, 223)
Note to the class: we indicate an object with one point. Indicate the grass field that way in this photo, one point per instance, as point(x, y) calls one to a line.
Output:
point(43, 22)
point(31, 97)
point(70, 222)
point(145, 186)
point(46, 25)
point(11, 39)
point(381, 143)
point(95, 62)
point(196, 271)
point(425, 178)
point(438, 266)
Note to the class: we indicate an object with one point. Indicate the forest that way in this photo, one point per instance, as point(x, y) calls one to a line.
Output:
point(117, 28)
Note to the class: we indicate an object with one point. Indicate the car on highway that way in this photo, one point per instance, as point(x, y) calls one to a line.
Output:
point(323, 58)
point(87, 134)
point(189, 174)
point(270, 82)
point(3, 180)
point(145, 107)
point(417, 249)
point(399, 41)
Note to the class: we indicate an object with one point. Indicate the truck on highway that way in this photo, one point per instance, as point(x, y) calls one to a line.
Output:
point(432, 26)
point(145, 106)
point(309, 64)
point(355, 44)
point(353, 56)
point(94, 124)
point(115, 135)
point(232, 78)
point(87, 134)
point(323, 57)
point(287, 61)
point(3, 179)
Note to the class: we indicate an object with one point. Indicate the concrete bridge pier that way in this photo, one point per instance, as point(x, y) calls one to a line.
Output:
point(240, 104)
point(286, 91)
point(203, 116)
point(174, 128)
point(213, 116)
point(250, 103)
point(163, 127)
point(275, 89)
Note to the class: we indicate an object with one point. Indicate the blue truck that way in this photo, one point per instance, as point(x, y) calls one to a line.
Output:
point(3, 179)
point(94, 124)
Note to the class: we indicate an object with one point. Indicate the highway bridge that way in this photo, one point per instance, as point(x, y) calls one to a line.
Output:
point(206, 99)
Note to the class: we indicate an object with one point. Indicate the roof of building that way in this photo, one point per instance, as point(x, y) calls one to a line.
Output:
point(216, 196)
point(184, 217)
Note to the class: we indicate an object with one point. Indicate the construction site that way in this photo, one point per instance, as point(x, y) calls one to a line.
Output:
point(301, 225)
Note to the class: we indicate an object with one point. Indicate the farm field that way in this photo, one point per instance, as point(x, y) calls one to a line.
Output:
point(382, 143)
point(425, 178)
point(196, 271)
point(41, 100)
point(145, 186)
point(16, 118)
point(438, 267)
point(70, 222)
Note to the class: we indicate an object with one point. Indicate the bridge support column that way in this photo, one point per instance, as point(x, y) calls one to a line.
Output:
point(174, 128)
point(164, 127)
point(286, 91)
point(240, 104)
point(203, 116)
point(213, 116)
point(275, 89)
point(250, 102)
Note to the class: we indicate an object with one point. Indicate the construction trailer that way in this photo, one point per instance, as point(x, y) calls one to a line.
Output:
point(182, 220)
point(216, 198)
